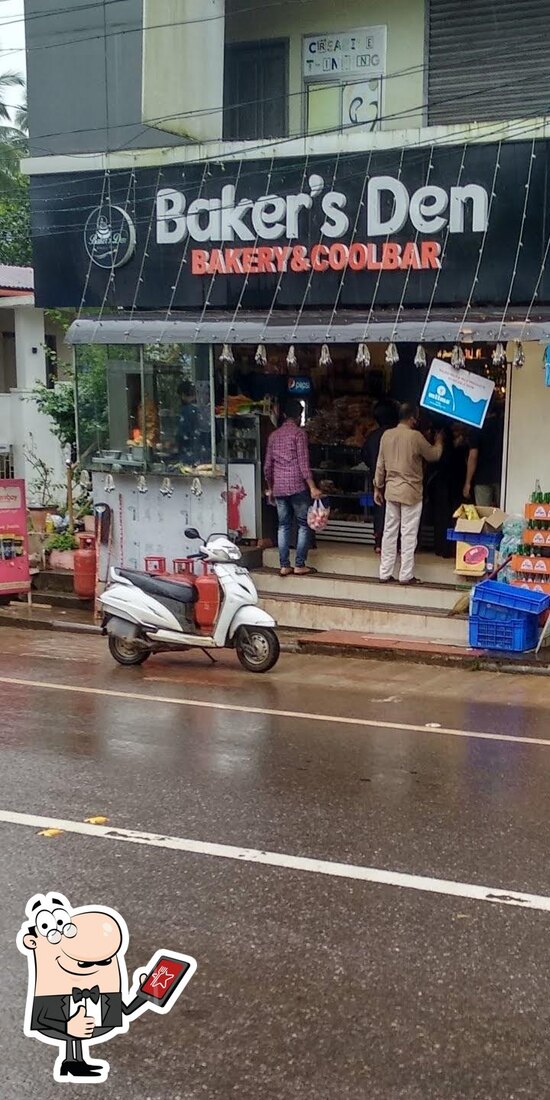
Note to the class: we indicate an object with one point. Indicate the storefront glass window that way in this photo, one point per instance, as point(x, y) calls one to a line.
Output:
point(145, 408)
point(178, 406)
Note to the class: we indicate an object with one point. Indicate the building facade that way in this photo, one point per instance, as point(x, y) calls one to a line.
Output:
point(217, 172)
point(31, 351)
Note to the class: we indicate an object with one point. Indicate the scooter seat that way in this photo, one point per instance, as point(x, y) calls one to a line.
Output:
point(181, 591)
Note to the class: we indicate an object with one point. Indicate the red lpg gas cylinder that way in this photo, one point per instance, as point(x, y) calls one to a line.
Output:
point(208, 603)
point(85, 567)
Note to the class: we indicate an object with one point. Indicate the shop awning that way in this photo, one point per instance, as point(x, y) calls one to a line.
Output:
point(310, 328)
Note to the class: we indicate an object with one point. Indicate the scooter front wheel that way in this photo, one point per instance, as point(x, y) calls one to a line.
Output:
point(257, 648)
point(126, 652)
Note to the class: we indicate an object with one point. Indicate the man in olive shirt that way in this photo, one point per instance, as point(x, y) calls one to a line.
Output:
point(399, 479)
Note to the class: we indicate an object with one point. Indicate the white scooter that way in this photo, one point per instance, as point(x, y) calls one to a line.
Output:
point(143, 614)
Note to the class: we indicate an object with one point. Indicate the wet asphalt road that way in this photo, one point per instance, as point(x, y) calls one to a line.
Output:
point(308, 986)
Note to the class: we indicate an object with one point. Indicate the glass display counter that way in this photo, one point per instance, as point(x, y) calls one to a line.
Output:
point(146, 409)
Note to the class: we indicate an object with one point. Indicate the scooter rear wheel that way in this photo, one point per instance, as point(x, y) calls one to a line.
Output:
point(127, 653)
point(257, 648)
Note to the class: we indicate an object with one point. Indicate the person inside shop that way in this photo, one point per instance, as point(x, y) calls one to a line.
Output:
point(188, 428)
point(399, 481)
point(459, 463)
point(484, 465)
point(290, 486)
point(386, 417)
point(438, 488)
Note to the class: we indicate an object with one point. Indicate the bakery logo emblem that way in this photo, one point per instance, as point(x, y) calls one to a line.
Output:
point(78, 993)
point(110, 237)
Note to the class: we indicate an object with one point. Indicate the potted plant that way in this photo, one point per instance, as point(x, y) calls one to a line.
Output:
point(60, 550)
point(85, 513)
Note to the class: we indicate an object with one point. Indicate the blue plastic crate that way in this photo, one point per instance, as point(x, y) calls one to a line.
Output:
point(512, 635)
point(486, 539)
point(497, 594)
point(498, 614)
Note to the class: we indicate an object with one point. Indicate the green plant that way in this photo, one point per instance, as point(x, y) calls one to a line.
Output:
point(64, 541)
point(58, 405)
point(85, 507)
point(43, 487)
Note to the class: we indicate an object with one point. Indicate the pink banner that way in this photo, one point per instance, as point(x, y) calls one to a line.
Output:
point(14, 544)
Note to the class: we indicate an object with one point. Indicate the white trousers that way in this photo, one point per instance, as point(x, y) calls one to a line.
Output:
point(404, 518)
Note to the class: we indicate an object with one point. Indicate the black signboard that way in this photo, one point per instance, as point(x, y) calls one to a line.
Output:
point(391, 227)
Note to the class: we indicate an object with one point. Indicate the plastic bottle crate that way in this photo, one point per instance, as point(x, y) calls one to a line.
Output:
point(511, 635)
point(493, 594)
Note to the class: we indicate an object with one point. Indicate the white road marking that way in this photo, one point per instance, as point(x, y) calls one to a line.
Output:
point(298, 715)
point(58, 657)
point(288, 862)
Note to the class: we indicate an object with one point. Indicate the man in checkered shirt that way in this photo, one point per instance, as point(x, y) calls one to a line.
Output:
point(290, 484)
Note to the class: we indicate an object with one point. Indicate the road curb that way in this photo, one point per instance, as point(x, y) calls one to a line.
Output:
point(474, 663)
point(470, 663)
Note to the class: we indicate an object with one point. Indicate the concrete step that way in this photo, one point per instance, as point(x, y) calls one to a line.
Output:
point(348, 559)
point(54, 580)
point(365, 589)
point(66, 600)
point(312, 613)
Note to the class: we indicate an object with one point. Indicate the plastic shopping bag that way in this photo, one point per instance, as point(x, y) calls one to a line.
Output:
point(318, 516)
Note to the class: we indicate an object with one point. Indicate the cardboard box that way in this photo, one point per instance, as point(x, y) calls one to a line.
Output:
point(476, 552)
point(490, 521)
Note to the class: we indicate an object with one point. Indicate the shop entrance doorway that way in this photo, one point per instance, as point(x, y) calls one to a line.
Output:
point(344, 401)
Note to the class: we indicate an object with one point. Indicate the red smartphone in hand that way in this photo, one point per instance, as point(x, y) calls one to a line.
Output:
point(165, 978)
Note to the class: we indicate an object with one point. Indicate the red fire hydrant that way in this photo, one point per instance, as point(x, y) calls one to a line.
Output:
point(85, 567)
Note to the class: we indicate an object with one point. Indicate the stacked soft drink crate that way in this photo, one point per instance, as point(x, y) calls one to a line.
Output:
point(531, 565)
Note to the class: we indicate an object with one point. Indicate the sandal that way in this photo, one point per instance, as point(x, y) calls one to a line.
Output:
point(304, 571)
point(286, 571)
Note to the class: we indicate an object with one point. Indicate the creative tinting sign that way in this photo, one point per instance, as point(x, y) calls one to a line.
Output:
point(402, 224)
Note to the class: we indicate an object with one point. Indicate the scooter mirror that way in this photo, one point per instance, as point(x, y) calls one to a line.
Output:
point(192, 533)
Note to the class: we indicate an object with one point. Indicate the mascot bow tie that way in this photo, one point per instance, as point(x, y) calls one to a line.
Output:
point(86, 994)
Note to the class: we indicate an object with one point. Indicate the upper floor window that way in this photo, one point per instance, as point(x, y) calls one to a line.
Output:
point(256, 90)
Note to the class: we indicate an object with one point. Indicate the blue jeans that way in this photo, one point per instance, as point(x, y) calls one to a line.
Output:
point(288, 508)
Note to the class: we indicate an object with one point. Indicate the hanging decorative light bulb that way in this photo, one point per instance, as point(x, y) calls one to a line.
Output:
point(518, 359)
point(109, 486)
point(324, 358)
point(227, 355)
point(363, 356)
point(420, 357)
point(261, 356)
point(457, 358)
point(291, 360)
point(499, 356)
point(392, 354)
point(196, 488)
point(85, 481)
point(166, 488)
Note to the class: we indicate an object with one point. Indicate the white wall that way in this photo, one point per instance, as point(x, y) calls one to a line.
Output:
point(183, 67)
point(529, 430)
point(19, 416)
